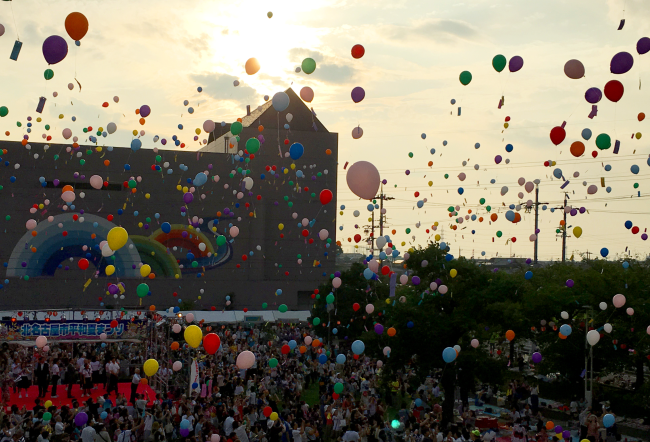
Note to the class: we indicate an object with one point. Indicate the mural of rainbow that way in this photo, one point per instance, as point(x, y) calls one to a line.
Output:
point(64, 238)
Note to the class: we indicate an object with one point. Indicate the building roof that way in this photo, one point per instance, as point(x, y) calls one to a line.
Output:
point(303, 119)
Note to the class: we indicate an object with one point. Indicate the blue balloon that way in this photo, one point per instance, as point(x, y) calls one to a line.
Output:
point(368, 274)
point(104, 415)
point(604, 252)
point(608, 167)
point(565, 329)
point(292, 344)
point(557, 173)
point(432, 151)
point(443, 245)
point(586, 134)
point(395, 253)
point(461, 190)
point(626, 264)
point(166, 227)
point(449, 257)
point(418, 402)
point(358, 347)
point(136, 144)
point(509, 147)
point(608, 420)
point(528, 275)
point(634, 169)
point(296, 151)
point(608, 189)
point(200, 179)
point(340, 359)
point(410, 324)
point(382, 255)
point(510, 215)
point(185, 423)
point(335, 330)
point(449, 354)
point(322, 358)
point(628, 224)
point(370, 207)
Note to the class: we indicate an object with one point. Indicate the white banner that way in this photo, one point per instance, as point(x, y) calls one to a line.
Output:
point(194, 377)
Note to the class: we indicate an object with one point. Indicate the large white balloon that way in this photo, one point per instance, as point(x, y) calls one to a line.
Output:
point(593, 337)
point(607, 327)
point(363, 179)
point(381, 242)
point(111, 128)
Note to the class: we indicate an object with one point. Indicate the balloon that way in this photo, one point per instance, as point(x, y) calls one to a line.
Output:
point(208, 126)
point(80, 419)
point(193, 336)
point(604, 252)
point(142, 290)
point(110, 269)
point(83, 263)
point(55, 49)
point(308, 65)
point(150, 367)
point(565, 329)
point(211, 343)
point(252, 66)
point(177, 365)
point(577, 148)
point(307, 94)
point(510, 335)
point(537, 358)
point(145, 270)
point(499, 62)
point(643, 45)
point(449, 354)
point(41, 341)
point(453, 273)
point(296, 151)
point(136, 144)
point(340, 359)
point(621, 63)
point(609, 420)
point(200, 179)
point(557, 135)
point(245, 360)
point(67, 133)
point(574, 69)
point(363, 179)
point(253, 145)
point(515, 63)
point(358, 51)
point(603, 141)
point(96, 182)
point(586, 134)
point(357, 132)
point(465, 78)
point(117, 238)
point(325, 196)
point(614, 90)
point(358, 94)
point(593, 337)
point(607, 327)
point(577, 231)
point(336, 282)
point(111, 128)
point(358, 347)
point(591, 190)
point(76, 25)
point(618, 301)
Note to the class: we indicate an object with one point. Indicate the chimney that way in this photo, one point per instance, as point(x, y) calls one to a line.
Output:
point(248, 110)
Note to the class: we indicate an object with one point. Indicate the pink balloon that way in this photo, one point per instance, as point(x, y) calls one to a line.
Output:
point(245, 360)
point(403, 279)
point(336, 282)
point(31, 224)
point(208, 126)
point(177, 365)
point(529, 186)
point(67, 133)
point(189, 317)
point(96, 181)
point(308, 340)
point(630, 311)
point(442, 289)
point(521, 181)
point(41, 341)
point(363, 179)
point(574, 69)
point(618, 301)
point(370, 308)
point(307, 94)
point(474, 343)
point(68, 196)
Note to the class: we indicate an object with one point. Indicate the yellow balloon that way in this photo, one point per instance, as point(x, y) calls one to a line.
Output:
point(638, 135)
point(60, 116)
point(178, 187)
point(403, 243)
point(150, 367)
point(145, 270)
point(274, 416)
point(286, 171)
point(437, 237)
point(193, 336)
point(430, 183)
point(140, 225)
point(453, 273)
point(280, 226)
point(577, 231)
point(147, 195)
point(48, 404)
point(117, 238)
point(293, 166)
point(506, 125)
point(135, 132)
point(186, 189)
point(100, 129)
point(436, 224)
point(110, 269)
point(197, 131)
point(39, 120)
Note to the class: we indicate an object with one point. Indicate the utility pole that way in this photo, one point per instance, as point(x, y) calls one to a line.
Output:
point(564, 230)
point(537, 203)
point(382, 217)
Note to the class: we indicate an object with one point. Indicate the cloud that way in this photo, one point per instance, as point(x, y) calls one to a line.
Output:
point(327, 68)
point(431, 29)
point(297, 55)
point(220, 86)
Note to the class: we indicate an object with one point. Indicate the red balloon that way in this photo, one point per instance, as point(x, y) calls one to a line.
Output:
point(267, 411)
point(305, 233)
point(635, 230)
point(594, 153)
point(357, 238)
point(514, 239)
point(558, 134)
point(385, 270)
point(326, 196)
point(113, 323)
point(83, 264)
point(285, 349)
point(356, 306)
point(335, 396)
point(211, 343)
point(358, 51)
point(614, 90)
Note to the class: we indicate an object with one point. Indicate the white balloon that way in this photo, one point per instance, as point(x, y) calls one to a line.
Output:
point(177, 365)
point(381, 242)
point(189, 317)
point(403, 279)
point(603, 305)
point(564, 315)
point(593, 337)
point(176, 328)
point(202, 246)
point(607, 327)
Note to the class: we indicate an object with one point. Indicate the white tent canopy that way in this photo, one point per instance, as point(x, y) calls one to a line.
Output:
point(234, 316)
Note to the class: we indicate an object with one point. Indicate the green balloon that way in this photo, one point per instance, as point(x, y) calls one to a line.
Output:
point(603, 141)
point(142, 290)
point(499, 234)
point(636, 185)
point(482, 201)
point(47, 127)
point(158, 158)
point(273, 362)
point(252, 145)
point(26, 277)
point(498, 63)
point(8, 217)
point(47, 416)
point(446, 175)
point(329, 299)
point(264, 305)
point(236, 128)
point(48, 74)
point(82, 161)
point(465, 78)
point(338, 388)
point(488, 208)
point(316, 321)
point(195, 264)
point(451, 209)
point(283, 308)
point(221, 240)
point(408, 230)
point(308, 65)
point(132, 184)
point(4, 111)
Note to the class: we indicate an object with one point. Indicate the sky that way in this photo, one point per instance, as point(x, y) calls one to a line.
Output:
point(158, 53)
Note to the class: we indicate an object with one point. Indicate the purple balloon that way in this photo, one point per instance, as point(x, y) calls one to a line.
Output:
point(163, 141)
point(558, 428)
point(593, 95)
point(621, 63)
point(643, 45)
point(498, 159)
point(379, 329)
point(80, 419)
point(358, 94)
point(644, 236)
point(515, 63)
point(55, 49)
point(185, 432)
point(188, 197)
point(574, 212)
point(566, 434)
point(415, 280)
point(145, 111)
point(537, 357)
point(56, 182)
point(569, 282)
point(583, 210)
point(113, 289)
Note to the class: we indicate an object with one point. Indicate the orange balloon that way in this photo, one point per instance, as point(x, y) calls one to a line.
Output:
point(137, 111)
point(391, 331)
point(562, 222)
point(641, 116)
point(517, 218)
point(260, 128)
point(480, 219)
point(174, 345)
point(303, 349)
point(142, 121)
point(577, 149)
point(510, 335)
point(152, 308)
point(561, 335)
point(394, 231)
point(34, 233)
point(550, 425)
point(107, 162)
point(76, 25)
point(144, 381)
point(328, 152)
point(152, 275)
point(67, 188)
point(315, 343)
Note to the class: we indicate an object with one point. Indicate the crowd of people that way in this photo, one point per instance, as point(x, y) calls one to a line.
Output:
point(301, 399)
